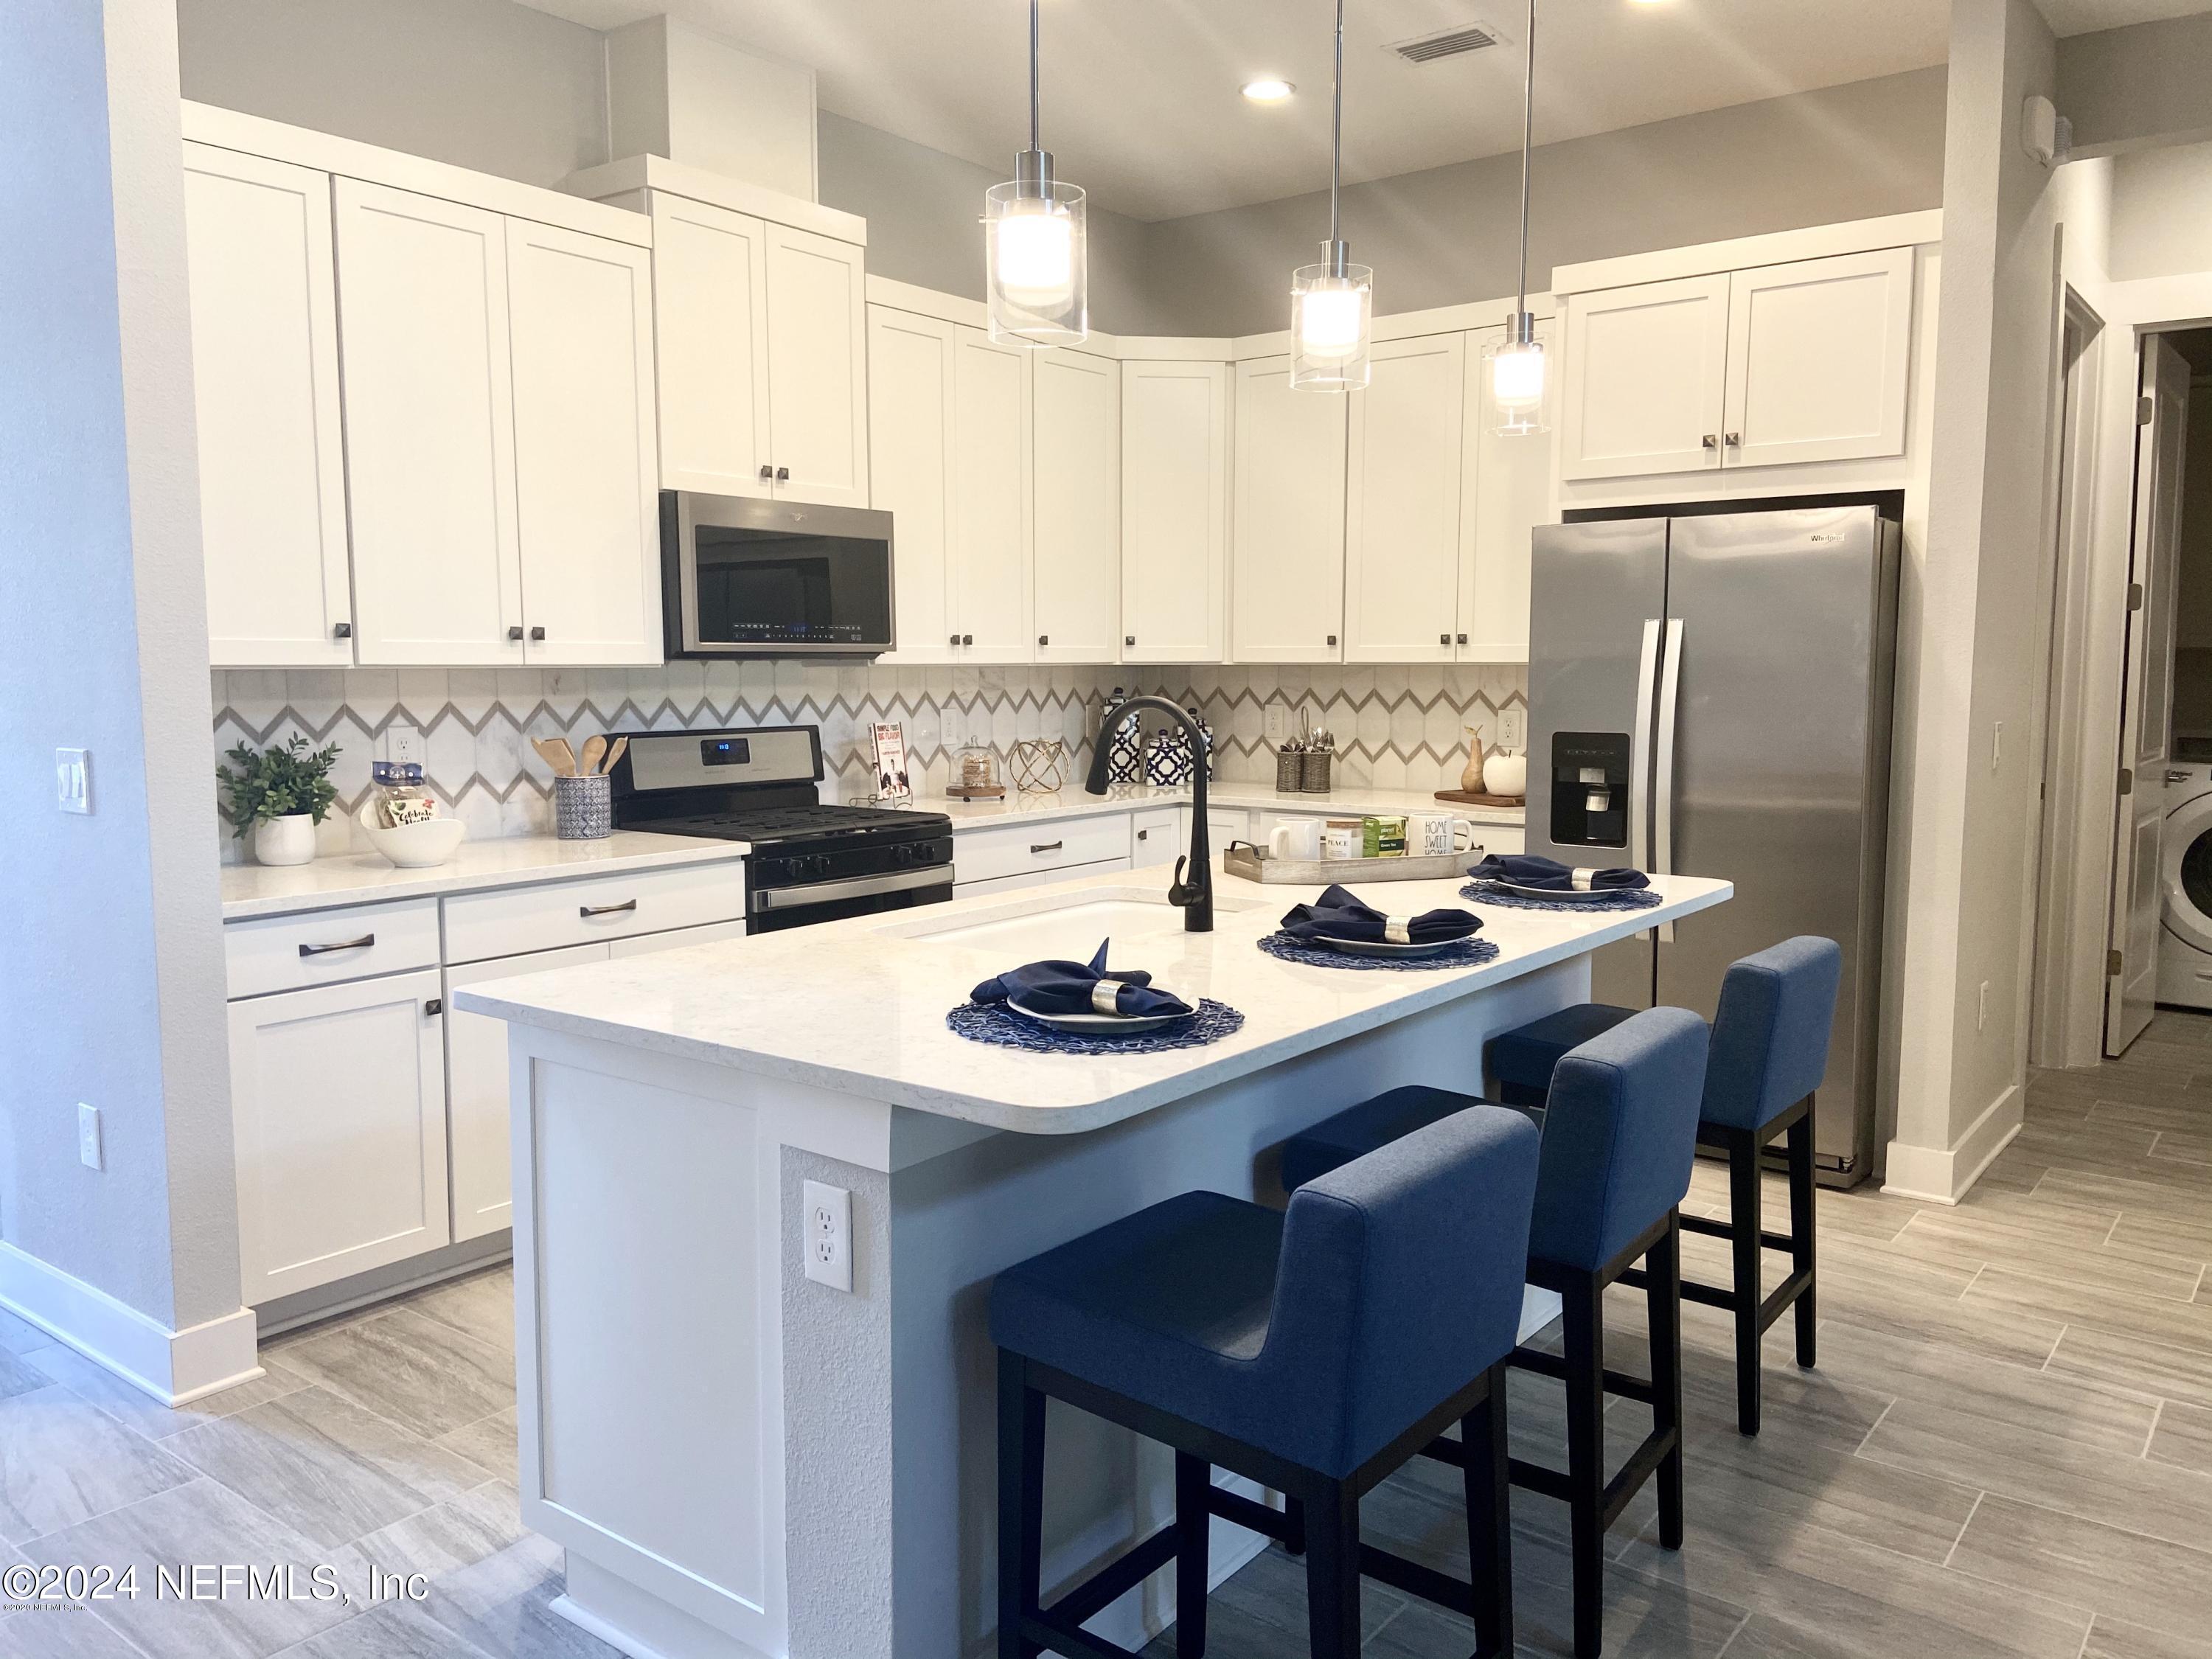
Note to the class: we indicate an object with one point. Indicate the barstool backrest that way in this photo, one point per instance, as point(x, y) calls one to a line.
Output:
point(1620, 1129)
point(1771, 1030)
point(1400, 1280)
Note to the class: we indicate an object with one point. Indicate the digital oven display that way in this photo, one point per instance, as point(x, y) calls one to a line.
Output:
point(726, 752)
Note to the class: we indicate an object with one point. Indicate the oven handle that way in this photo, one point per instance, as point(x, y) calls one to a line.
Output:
point(831, 892)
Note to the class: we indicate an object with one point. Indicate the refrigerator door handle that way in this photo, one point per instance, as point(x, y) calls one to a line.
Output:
point(1662, 814)
point(1640, 748)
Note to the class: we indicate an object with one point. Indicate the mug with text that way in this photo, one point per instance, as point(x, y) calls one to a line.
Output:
point(1433, 835)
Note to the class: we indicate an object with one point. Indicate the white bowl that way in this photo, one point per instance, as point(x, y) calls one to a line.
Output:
point(412, 846)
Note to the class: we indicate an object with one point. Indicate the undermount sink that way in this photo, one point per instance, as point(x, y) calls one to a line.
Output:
point(1068, 928)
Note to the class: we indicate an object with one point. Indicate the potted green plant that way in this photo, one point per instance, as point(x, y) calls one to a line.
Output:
point(278, 796)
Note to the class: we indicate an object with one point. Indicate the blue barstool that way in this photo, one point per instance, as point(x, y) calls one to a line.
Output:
point(1314, 1350)
point(1619, 1132)
point(1770, 1050)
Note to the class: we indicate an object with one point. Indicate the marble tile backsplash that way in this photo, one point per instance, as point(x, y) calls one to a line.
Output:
point(1396, 726)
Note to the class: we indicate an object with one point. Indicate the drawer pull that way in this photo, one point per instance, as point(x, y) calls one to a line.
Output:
point(1047, 846)
point(360, 943)
point(587, 911)
point(434, 1006)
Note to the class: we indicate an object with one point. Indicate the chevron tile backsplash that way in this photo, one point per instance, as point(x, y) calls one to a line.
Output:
point(1396, 726)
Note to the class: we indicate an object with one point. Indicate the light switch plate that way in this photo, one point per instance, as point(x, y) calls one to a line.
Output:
point(73, 779)
point(88, 1150)
point(826, 1234)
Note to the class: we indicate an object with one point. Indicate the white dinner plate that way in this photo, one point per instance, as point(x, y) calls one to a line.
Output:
point(1098, 1024)
point(1375, 947)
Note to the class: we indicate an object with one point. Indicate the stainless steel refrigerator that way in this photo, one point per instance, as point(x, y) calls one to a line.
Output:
point(1708, 694)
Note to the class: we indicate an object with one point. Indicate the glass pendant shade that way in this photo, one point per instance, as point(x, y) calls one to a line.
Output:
point(1517, 375)
point(1033, 246)
point(1332, 320)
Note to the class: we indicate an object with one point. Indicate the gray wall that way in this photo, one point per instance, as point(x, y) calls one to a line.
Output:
point(1451, 233)
point(2133, 87)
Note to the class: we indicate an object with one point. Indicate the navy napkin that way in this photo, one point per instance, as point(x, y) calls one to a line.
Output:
point(1077, 988)
point(1527, 870)
point(1337, 915)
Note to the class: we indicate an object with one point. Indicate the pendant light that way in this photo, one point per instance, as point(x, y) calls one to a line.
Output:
point(1515, 366)
point(1033, 245)
point(1332, 303)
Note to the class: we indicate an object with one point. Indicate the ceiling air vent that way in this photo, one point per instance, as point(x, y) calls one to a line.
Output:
point(1446, 42)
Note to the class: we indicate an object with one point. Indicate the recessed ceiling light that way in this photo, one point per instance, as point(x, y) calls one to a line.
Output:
point(1269, 91)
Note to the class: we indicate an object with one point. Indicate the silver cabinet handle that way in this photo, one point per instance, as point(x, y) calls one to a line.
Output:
point(1734, 440)
point(1047, 846)
point(1128, 639)
point(1443, 638)
point(515, 632)
point(1462, 638)
point(782, 475)
point(434, 1007)
point(624, 909)
point(767, 471)
point(360, 943)
point(342, 631)
point(1711, 440)
point(967, 639)
point(537, 633)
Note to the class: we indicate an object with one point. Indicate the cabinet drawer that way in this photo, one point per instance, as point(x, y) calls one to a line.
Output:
point(517, 920)
point(289, 953)
point(1035, 878)
point(1019, 848)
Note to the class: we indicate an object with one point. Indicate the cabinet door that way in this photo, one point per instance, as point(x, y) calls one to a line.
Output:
point(1175, 509)
point(991, 600)
point(266, 397)
point(1075, 505)
point(910, 474)
point(818, 368)
point(1401, 503)
point(1817, 357)
point(477, 1092)
point(1506, 491)
point(430, 428)
point(1287, 587)
point(1645, 368)
point(1155, 836)
point(339, 1121)
point(710, 305)
point(587, 497)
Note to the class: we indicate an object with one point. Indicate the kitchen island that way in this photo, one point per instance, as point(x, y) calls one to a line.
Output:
point(740, 1461)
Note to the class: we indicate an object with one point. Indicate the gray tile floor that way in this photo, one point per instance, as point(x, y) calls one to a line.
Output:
point(2007, 1449)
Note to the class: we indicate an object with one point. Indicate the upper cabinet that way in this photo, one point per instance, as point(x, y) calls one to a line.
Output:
point(265, 391)
point(1286, 575)
point(1402, 491)
point(1645, 372)
point(818, 368)
point(990, 563)
point(1175, 510)
point(1075, 509)
point(910, 413)
point(1505, 492)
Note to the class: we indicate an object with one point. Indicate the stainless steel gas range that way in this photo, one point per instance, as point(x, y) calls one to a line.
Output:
point(809, 862)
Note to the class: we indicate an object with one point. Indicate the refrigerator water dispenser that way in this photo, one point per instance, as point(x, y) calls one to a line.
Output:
point(1590, 788)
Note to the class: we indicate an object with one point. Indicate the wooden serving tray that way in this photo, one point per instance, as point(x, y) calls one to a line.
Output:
point(1475, 798)
point(1254, 864)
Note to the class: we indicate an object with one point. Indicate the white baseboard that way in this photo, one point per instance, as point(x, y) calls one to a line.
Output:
point(173, 1366)
point(1936, 1175)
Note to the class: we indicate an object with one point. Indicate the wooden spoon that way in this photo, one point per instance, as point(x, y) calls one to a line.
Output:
point(595, 750)
point(556, 753)
point(614, 752)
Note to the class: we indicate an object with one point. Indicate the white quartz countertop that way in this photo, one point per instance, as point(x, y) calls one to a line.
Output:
point(1073, 802)
point(858, 1007)
point(254, 889)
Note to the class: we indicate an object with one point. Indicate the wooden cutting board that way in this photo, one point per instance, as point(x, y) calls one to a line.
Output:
point(1472, 798)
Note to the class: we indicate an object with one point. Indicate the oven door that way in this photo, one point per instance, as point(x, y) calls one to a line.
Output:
point(772, 909)
point(774, 579)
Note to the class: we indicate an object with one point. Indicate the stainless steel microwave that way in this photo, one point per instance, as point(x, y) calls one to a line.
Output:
point(747, 578)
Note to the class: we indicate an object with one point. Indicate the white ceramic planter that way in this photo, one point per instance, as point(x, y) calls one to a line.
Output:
point(288, 840)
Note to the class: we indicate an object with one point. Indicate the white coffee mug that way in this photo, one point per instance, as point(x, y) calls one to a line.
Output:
point(1433, 835)
point(1299, 838)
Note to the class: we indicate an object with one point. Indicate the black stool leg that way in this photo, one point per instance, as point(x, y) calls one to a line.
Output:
point(1488, 1476)
point(1743, 1222)
point(1800, 1229)
point(1333, 1573)
point(1194, 1477)
point(1662, 1291)
point(1294, 1525)
point(1583, 1327)
point(1021, 1506)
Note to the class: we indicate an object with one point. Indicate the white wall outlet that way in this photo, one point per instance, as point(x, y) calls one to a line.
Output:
point(948, 721)
point(73, 779)
point(1279, 722)
point(88, 1150)
point(826, 1234)
point(1513, 728)
point(402, 744)
point(1981, 1007)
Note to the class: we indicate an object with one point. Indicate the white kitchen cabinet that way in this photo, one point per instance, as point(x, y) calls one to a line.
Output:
point(910, 415)
point(1155, 835)
point(1075, 510)
point(1506, 493)
point(1223, 825)
point(1818, 353)
point(818, 368)
point(266, 400)
point(339, 1123)
point(710, 305)
point(1643, 389)
point(1286, 572)
point(1175, 510)
point(1402, 503)
point(992, 600)
point(430, 428)
point(586, 469)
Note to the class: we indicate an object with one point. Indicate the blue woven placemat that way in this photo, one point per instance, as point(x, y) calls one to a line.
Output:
point(1464, 954)
point(1621, 898)
point(987, 1021)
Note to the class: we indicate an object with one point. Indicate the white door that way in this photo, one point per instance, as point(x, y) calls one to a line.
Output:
point(587, 465)
point(1401, 503)
point(910, 474)
point(1645, 373)
point(1286, 571)
point(818, 368)
point(1816, 360)
point(991, 602)
point(266, 398)
point(1175, 510)
point(1506, 491)
point(339, 1123)
point(477, 1092)
point(1075, 505)
point(710, 307)
point(430, 428)
point(2147, 707)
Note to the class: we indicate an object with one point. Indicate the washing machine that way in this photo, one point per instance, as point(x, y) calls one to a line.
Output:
point(2185, 934)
